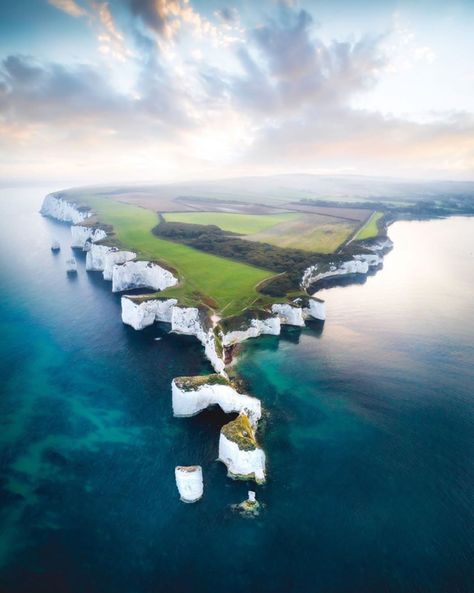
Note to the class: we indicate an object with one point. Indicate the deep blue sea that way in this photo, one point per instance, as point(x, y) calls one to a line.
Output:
point(369, 433)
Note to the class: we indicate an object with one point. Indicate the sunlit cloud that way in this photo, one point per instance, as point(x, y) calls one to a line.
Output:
point(70, 7)
point(213, 93)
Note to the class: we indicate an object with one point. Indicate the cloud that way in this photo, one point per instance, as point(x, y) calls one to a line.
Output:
point(33, 91)
point(70, 7)
point(276, 97)
point(286, 68)
point(168, 18)
point(228, 14)
point(111, 40)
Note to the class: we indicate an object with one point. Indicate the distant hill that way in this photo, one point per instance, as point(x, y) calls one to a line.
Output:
point(282, 188)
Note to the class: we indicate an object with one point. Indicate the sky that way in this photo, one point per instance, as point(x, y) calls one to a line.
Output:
point(165, 90)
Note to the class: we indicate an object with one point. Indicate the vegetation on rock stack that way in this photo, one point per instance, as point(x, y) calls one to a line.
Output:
point(194, 382)
point(240, 431)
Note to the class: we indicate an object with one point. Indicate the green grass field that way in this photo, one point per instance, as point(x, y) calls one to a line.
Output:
point(370, 228)
point(311, 232)
point(225, 285)
point(245, 224)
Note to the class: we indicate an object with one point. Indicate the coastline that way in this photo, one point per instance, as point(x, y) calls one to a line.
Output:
point(220, 337)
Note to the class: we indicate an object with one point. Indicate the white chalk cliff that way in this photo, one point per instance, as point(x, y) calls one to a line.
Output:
point(239, 451)
point(381, 244)
point(82, 236)
point(319, 272)
point(142, 314)
point(141, 274)
point(270, 326)
point(102, 258)
point(61, 209)
point(186, 320)
point(316, 309)
point(189, 482)
point(191, 395)
point(288, 314)
point(372, 259)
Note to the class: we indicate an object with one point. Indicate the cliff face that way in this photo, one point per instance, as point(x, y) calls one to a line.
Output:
point(60, 209)
point(113, 258)
point(186, 320)
point(319, 272)
point(189, 482)
point(257, 327)
point(102, 258)
point(360, 263)
point(239, 451)
point(316, 309)
point(142, 314)
point(288, 314)
point(191, 395)
point(82, 236)
point(141, 274)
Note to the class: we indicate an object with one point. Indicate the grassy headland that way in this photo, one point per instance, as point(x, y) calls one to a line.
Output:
point(226, 286)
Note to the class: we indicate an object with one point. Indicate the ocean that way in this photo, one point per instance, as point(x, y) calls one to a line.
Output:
point(368, 430)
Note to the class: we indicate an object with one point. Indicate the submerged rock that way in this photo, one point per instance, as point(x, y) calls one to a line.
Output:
point(239, 451)
point(189, 482)
point(250, 508)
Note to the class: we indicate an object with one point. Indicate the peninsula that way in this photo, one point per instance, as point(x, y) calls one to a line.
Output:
point(224, 271)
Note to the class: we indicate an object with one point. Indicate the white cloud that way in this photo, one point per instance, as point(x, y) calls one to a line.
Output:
point(70, 7)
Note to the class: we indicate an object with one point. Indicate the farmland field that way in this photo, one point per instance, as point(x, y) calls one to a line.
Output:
point(311, 232)
point(226, 285)
point(370, 228)
point(244, 224)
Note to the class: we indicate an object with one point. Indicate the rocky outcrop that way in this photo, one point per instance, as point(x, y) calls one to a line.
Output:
point(83, 236)
point(95, 258)
point(189, 482)
point(379, 245)
point(190, 321)
point(322, 271)
point(115, 257)
point(256, 327)
point(57, 207)
point(142, 313)
point(102, 258)
point(191, 395)
point(141, 274)
point(71, 266)
point(289, 314)
point(250, 508)
point(239, 451)
point(316, 309)
point(373, 260)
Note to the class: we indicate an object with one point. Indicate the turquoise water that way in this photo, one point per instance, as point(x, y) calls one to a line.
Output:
point(369, 433)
